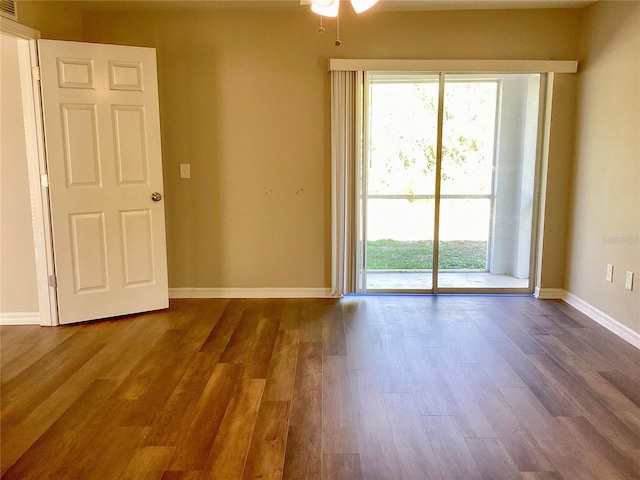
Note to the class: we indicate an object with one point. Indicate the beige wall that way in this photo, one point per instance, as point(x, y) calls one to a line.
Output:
point(244, 98)
point(18, 287)
point(54, 20)
point(605, 213)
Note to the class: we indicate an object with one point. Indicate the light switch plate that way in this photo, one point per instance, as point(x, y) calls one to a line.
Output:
point(185, 170)
point(628, 284)
point(609, 272)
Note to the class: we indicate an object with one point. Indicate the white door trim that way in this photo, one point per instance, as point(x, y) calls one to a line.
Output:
point(17, 29)
point(36, 166)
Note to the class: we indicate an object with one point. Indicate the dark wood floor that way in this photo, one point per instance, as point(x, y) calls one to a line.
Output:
point(383, 387)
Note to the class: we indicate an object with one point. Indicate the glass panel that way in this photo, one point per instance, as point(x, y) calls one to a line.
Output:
point(489, 140)
point(401, 153)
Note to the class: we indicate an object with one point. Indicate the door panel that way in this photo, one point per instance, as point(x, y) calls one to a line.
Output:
point(401, 173)
point(468, 153)
point(89, 254)
point(81, 152)
point(131, 150)
point(74, 73)
point(488, 164)
point(125, 76)
point(103, 152)
point(137, 246)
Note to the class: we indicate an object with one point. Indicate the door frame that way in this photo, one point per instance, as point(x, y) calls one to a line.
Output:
point(343, 109)
point(440, 78)
point(37, 168)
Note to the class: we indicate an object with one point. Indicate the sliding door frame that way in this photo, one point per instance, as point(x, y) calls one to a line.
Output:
point(542, 134)
point(436, 213)
point(546, 69)
point(364, 175)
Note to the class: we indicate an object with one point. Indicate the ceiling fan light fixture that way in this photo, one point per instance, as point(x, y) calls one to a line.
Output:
point(326, 11)
point(329, 8)
point(362, 5)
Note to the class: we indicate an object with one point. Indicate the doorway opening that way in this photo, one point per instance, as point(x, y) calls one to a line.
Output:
point(449, 179)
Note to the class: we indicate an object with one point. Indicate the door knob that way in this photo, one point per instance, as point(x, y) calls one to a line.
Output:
point(156, 196)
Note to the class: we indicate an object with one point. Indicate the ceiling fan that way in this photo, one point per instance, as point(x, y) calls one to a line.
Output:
point(329, 8)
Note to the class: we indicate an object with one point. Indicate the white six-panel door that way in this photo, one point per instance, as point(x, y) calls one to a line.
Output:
point(102, 132)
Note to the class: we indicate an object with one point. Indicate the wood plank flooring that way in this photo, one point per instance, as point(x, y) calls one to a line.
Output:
point(367, 387)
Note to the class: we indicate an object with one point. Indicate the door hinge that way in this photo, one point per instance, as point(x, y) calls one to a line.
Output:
point(35, 73)
point(44, 180)
point(53, 281)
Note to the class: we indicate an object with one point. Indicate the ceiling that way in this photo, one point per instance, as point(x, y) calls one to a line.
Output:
point(479, 4)
point(383, 5)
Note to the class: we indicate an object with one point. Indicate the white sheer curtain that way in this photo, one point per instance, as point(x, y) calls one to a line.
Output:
point(346, 91)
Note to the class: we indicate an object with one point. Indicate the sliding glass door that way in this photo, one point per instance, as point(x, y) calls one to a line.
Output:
point(448, 176)
point(401, 181)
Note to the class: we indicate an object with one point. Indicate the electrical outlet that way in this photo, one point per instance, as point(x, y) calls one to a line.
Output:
point(609, 272)
point(628, 284)
point(185, 170)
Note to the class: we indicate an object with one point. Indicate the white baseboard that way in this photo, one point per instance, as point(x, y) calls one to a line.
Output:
point(20, 318)
point(550, 293)
point(592, 312)
point(603, 319)
point(250, 293)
